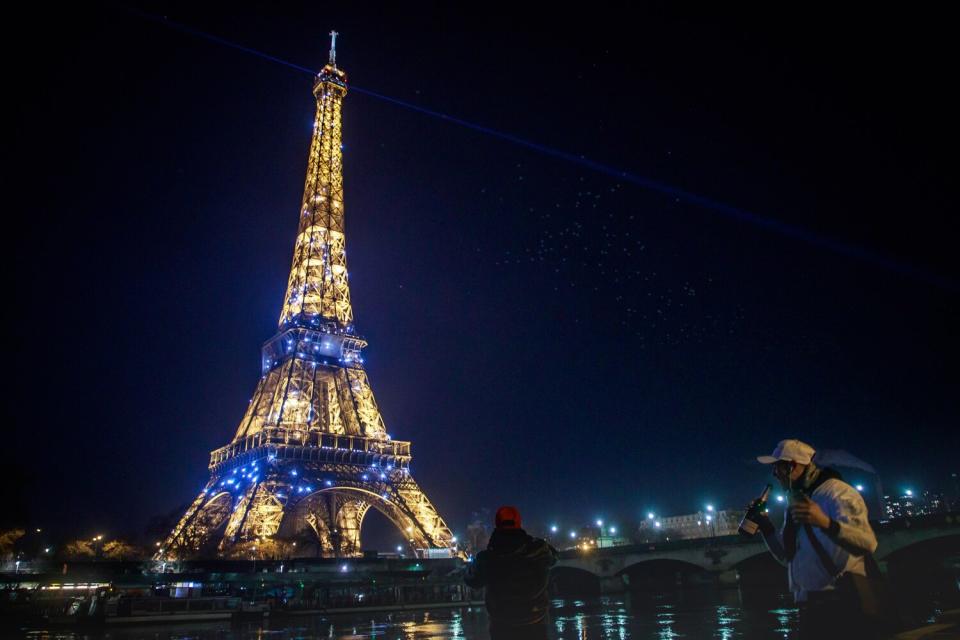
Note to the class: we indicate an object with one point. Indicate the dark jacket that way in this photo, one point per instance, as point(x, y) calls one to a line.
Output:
point(514, 569)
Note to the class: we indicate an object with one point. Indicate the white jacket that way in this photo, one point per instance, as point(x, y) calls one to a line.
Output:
point(846, 541)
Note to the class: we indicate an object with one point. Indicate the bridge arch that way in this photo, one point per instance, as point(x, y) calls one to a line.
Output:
point(927, 556)
point(899, 544)
point(566, 581)
point(760, 569)
point(761, 555)
point(656, 572)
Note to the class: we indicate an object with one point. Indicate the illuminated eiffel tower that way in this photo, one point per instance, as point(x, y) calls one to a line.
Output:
point(311, 456)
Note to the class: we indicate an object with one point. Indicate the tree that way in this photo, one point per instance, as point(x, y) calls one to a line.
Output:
point(79, 550)
point(118, 550)
point(8, 541)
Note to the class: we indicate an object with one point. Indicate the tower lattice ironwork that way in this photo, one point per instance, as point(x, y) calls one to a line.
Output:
point(311, 455)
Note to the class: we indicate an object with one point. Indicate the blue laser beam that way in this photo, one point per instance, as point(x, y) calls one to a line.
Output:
point(764, 222)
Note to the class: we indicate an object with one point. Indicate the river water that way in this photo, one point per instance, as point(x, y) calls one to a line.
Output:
point(711, 613)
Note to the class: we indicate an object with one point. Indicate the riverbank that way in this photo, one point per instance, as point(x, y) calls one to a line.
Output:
point(376, 608)
point(947, 627)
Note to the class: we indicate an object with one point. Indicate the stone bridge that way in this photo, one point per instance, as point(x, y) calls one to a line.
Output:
point(722, 555)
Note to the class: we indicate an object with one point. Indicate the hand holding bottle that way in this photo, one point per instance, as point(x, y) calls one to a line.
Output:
point(756, 517)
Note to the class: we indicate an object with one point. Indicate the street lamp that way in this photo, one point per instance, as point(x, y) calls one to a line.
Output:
point(553, 528)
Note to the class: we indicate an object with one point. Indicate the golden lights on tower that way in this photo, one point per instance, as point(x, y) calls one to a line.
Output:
point(311, 455)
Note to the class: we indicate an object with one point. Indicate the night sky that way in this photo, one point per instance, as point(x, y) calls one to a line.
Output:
point(546, 332)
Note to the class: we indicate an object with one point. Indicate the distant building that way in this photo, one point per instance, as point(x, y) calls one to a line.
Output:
point(478, 532)
point(612, 541)
point(588, 537)
point(953, 493)
point(703, 524)
point(910, 505)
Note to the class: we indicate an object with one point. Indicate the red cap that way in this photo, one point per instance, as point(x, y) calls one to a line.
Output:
point(508, 518)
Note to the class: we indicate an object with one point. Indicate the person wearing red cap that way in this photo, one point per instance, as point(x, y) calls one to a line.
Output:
point(826, 543)
point(515, 569)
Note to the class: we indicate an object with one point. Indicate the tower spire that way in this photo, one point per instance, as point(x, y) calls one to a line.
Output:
point(333, 49)
point(317, 290)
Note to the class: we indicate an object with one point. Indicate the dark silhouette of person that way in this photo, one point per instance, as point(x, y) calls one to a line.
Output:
point(515, 569)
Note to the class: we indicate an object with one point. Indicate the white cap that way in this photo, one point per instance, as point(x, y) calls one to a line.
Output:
point(792, 450)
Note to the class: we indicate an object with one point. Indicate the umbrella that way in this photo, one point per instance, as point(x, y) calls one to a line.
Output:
point(840, 458)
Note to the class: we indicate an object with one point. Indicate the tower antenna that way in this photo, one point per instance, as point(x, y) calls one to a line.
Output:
point(333, 48)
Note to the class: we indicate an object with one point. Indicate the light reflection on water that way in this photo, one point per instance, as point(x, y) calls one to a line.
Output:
point(714, 614)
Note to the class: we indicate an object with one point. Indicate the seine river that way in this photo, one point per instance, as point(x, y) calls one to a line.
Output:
point(709, 613)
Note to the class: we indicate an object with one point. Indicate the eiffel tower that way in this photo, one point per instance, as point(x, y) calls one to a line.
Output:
point(312, 455)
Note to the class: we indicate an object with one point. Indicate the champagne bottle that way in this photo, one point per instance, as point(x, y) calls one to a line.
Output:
point(751, 520)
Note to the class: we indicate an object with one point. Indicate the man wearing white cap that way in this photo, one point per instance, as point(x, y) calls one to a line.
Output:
point(826, 541)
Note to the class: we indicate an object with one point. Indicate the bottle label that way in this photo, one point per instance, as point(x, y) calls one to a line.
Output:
point(749, 527)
